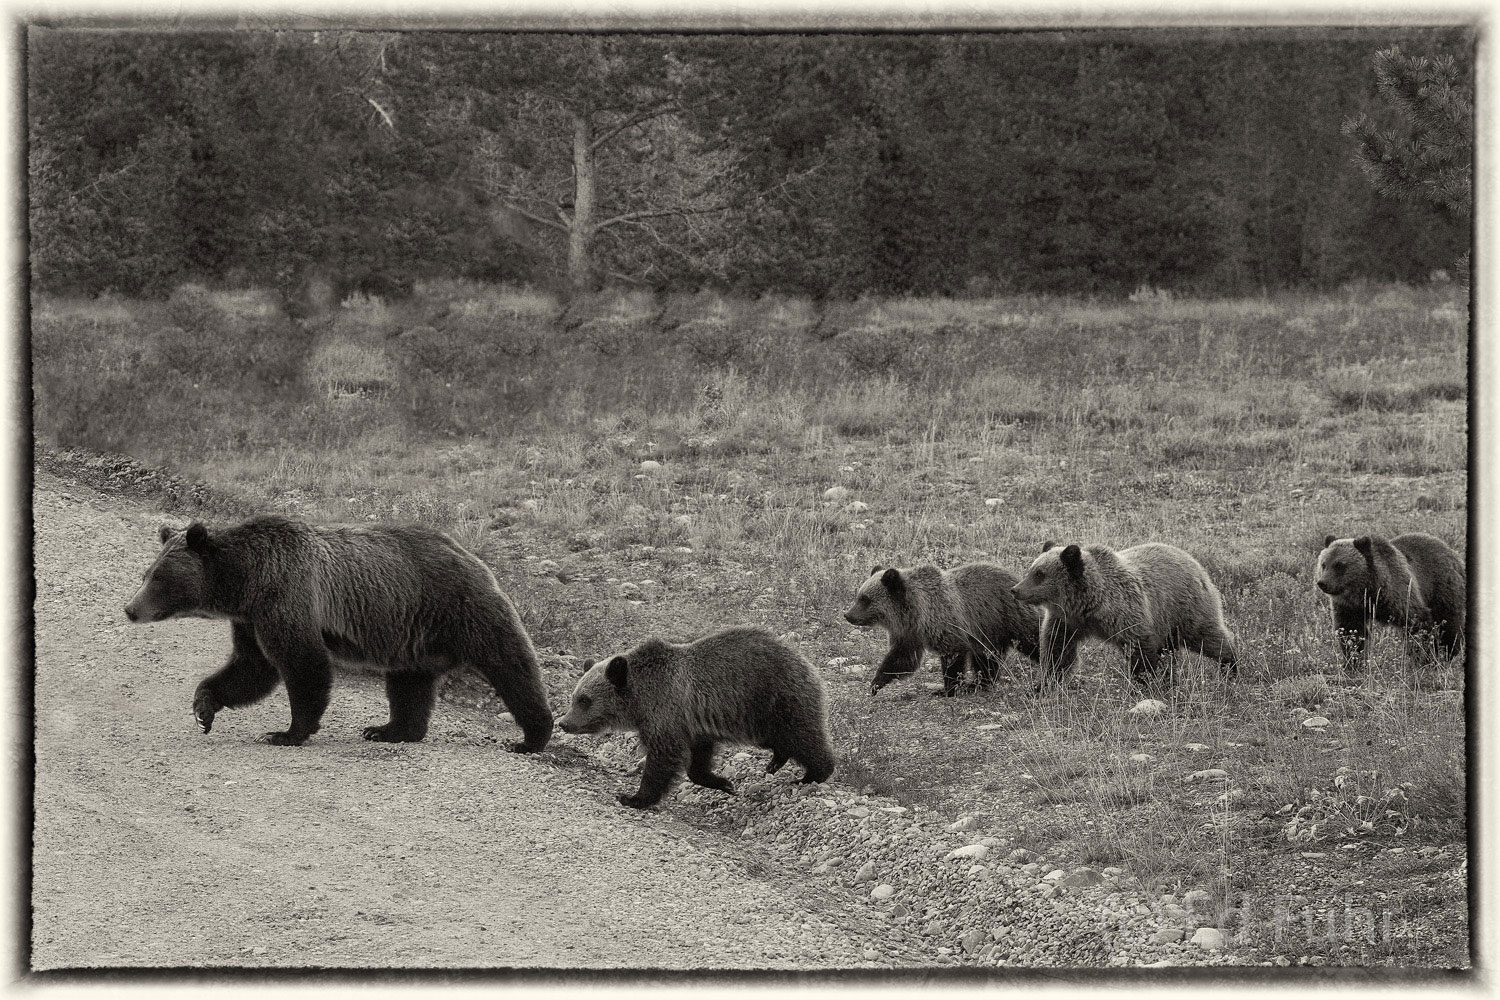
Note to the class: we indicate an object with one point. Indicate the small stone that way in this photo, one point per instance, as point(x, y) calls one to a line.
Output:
point(856, 507)
point(1141, 758)
point(529, 505)
point(994, 501)
point(900, 910)
point(975, 851)
point(1195, 898)
point(1112, 870)
point(547, 567)
point(859, 812)
point(1196, 747)
point(1055, 875)
point(650, 465)
point(836, 493)
point(1149, 706)
point(882, 892)
point(683, 519)
point(963, 824)
point(629, 590)
point(999, 932)
point(866, 873)
point(977, 870)
point(1171, 911)
point(1167, 935)
point(990, 727)
point(1210, 774)
point(1082, 877)
point(1031, 868)
point(1209, 938)
point(869, 954)
point(1314, 722)
point(971, 940)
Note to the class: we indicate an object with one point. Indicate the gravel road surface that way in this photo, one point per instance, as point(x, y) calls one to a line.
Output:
point(157, 845)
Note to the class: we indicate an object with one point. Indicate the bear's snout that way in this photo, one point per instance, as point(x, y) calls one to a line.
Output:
point(1326, 587)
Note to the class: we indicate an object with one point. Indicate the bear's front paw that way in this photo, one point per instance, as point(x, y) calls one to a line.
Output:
point(205, 707)
point(392, 734)
point(521, 746)
point(286, 739)
point(636, 801)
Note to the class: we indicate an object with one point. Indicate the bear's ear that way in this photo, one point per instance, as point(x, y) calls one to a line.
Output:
point(1072, 558)
point(587, 665)
point(891, 580)
point(1047, 546)
point(165, 532)
point(1363, 544)
point(876, 569)
point(197, 537)
point(617, 673)
point(1329, 540)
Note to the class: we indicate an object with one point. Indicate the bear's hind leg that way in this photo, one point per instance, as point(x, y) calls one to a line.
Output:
point(700, 769)
point(1218, 646)
point(512, 670)
point(411, 694)
point(816, 758)
point(246, 678)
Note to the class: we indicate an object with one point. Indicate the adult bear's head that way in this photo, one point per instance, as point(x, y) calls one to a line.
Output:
point(176, 585)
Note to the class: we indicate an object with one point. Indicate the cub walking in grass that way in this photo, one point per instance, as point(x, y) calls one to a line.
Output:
point(967, 616)
point(1147, 600)
point(1413, 581)
point(742, 684)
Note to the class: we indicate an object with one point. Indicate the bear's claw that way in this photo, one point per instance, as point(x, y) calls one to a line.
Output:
point(205, 707)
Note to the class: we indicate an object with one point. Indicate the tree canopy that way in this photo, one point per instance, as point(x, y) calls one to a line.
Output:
point(1077, 161)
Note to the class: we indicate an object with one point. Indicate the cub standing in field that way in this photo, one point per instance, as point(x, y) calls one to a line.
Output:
point(967, 616)
point(1413, 581)
point(1147, 600)
point(406, 599)
point(741, 684)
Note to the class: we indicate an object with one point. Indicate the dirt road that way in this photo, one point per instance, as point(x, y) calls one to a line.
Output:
point(157, 845)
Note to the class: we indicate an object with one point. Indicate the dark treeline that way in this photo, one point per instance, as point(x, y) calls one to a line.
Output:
point(1206, 161)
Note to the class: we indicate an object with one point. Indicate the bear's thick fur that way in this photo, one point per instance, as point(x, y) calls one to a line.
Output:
point(968, 616)
point(1147, 600)
point(298, 597)
point(742, 685)
point(1413, 581)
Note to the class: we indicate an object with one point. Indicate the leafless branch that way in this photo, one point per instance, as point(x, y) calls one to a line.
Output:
point(644, 116)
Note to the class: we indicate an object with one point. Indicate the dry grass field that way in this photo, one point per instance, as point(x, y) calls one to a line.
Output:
point(640, 464)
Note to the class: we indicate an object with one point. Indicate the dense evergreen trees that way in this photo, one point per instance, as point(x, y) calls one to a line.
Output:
point(1084, 162)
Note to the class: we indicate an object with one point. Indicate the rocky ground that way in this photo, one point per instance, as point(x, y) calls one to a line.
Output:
point(780, 875)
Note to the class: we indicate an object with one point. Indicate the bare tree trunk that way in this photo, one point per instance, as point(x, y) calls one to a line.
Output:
point(581, 232)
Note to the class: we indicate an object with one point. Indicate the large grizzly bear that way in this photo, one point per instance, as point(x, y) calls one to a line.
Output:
point(968, 616)
point(1147, 600)
point(742, 684)
point(408, 600)
point(1413, 581)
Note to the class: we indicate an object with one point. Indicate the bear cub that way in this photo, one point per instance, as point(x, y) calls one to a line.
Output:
point(968, 616)
point(406, 599)
point(741, 685)
point(1146, 600)
point(1413, 581)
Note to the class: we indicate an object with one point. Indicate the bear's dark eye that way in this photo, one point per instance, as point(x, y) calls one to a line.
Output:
point(584, 701)
point(864, 600)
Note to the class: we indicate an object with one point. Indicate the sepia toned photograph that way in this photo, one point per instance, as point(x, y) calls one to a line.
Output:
point(893, 505)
